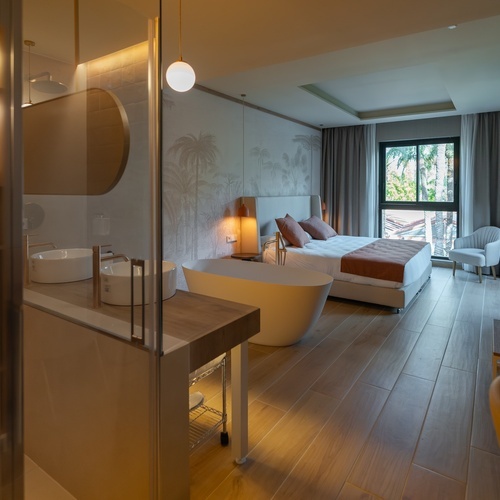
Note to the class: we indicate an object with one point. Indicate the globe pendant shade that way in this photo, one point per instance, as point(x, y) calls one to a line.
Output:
point(180, 76)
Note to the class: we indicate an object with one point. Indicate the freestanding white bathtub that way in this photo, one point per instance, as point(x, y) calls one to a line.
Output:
point(290, 300)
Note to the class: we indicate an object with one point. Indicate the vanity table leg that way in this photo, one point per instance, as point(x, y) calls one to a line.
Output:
point(239, 396)
point(174, 425)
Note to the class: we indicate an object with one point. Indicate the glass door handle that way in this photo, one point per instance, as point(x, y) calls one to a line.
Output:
point(137, 339)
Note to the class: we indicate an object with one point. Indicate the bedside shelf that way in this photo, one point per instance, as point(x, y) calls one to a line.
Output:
point(246, 256)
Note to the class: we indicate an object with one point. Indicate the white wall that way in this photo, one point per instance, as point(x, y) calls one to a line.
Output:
point(200, 212)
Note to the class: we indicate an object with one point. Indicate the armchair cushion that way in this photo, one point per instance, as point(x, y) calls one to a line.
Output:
point(473, 256)
point(481, 248)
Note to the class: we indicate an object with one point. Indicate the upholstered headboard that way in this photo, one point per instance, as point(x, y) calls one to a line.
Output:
point(265, 209)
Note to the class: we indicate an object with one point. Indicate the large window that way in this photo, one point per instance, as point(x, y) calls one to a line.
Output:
point(419, 191)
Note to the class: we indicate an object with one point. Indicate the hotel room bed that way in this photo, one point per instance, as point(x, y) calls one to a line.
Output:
point(326, 256)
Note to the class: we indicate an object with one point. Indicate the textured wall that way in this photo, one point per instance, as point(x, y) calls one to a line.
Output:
point(203, 174)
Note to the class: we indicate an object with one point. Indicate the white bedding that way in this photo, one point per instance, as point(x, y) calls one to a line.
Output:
point(325, 256)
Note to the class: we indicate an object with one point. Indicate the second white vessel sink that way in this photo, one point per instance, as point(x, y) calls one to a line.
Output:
point(115, 282)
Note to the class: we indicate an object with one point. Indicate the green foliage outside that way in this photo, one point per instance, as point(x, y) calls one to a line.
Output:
point(401, 180)
point(435, 173)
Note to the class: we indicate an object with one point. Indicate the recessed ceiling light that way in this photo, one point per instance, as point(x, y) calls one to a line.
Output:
point(452, 26)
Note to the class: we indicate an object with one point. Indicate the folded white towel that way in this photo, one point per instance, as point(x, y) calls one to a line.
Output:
point(195, 399)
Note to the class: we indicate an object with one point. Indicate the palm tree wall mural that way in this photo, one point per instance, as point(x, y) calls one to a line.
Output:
point(310, 143)
point(195, 154)
point(203, 169)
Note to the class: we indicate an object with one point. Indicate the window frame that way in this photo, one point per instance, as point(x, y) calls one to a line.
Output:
point(434, 206)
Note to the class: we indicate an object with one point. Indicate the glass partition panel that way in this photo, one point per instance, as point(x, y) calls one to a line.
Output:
point(89, 225)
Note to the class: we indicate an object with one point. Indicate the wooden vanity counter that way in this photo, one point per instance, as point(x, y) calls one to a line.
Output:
point(210, 326)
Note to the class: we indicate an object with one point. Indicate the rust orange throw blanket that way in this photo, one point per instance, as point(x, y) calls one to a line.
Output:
point(383, 259)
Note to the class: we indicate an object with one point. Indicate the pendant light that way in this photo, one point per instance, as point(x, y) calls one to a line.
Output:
point(180, 75)
point(243, 211)
point(29, 44)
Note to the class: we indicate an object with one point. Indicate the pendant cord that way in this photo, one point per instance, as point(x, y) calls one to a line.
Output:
point(29, 44)
point(180, 30)
point(243, 146)
point(29, 74)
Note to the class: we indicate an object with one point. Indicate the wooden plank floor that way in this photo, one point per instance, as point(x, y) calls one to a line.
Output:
point(372, 404)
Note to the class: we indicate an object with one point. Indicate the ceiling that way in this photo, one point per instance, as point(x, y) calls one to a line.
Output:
point(330, 63)
point(362, 61)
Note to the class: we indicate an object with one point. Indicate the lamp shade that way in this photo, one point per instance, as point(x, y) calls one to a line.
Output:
point(243, 211)
point(180, 76)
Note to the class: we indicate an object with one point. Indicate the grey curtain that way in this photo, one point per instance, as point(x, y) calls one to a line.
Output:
point(480, 171)
point(349, 179)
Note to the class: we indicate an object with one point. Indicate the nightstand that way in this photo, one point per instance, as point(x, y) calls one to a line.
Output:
point(246, 256)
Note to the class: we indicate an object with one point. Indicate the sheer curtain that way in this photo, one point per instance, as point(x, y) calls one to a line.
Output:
point(479, 172)
point(349, 179)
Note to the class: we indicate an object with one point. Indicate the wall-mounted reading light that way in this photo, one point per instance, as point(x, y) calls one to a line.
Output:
point(180, 75)
point(29, 44)
point(243, 211)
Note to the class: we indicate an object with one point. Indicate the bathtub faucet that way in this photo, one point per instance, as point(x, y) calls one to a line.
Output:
point(97, 259)
point(26, 251)
point(280, 255)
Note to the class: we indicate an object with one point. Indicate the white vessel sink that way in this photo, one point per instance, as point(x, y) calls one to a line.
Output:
point(61, 265)
point(115, 283)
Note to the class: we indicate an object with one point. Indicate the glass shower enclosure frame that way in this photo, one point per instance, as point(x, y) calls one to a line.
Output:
point(92, 202)
point(11, 425)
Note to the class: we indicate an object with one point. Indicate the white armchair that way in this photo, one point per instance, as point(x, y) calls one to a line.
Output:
point(480, 249)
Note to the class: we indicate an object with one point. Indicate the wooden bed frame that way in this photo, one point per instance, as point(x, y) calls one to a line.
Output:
point(263, 212)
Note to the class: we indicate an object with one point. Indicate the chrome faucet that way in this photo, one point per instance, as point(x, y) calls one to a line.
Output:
point(26, 251)
point(97, 259)
point(280, 255)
